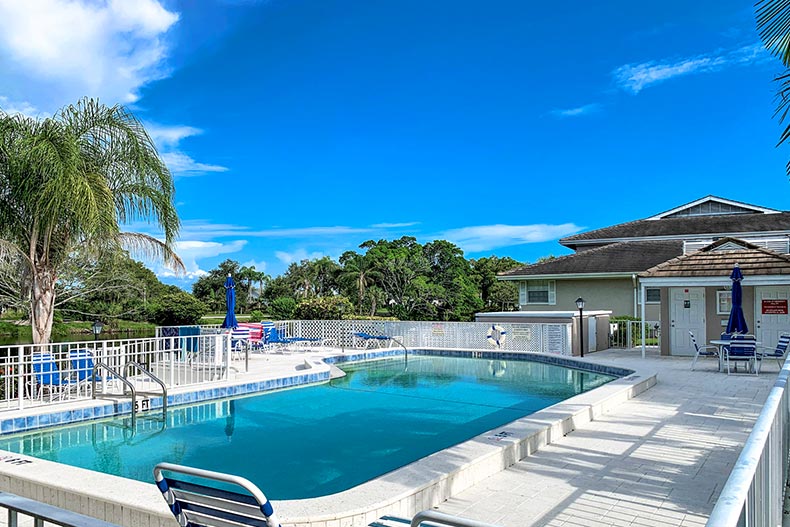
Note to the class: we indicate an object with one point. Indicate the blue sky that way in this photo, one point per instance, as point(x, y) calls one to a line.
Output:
point(301, 128)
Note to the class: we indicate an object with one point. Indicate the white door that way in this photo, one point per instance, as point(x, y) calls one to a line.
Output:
point(771, 317)
point(592, 333)
point(686, 313)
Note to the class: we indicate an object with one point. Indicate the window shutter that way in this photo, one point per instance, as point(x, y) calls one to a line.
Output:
point(522, 292)
point(552, 293)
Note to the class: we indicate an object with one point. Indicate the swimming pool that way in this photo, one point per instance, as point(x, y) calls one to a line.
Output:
point(324, 439)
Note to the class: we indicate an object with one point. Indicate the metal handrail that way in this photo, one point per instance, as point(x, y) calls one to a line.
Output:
point(43, 512)
point(448, 520)
point(99, 364)
point(153, 377)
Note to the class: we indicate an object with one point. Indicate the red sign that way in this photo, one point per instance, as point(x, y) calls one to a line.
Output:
point(774, 307)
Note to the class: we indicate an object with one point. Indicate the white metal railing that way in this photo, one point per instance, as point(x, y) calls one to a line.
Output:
point(440, 519)
point(628, 333)
point(531, 337)
point(754, 493)
point(38, 374)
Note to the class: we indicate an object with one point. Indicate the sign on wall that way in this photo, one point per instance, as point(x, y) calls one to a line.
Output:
point(774, 307)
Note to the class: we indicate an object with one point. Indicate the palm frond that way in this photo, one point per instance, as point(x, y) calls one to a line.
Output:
point(773, 25)
point(148, 247)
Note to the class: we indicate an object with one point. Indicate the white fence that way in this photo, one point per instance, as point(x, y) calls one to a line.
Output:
point(754, 493)
point(37, 374)
point(32, 375)
point(538, 338)
point(628, 333)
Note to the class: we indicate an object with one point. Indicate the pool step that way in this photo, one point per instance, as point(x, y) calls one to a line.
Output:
point(390, 521)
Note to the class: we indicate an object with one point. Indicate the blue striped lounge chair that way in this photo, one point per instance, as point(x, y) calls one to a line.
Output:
point(742, 348)
point(702, 351)
point(239, 340)
point(779, 352)
point(206, 500)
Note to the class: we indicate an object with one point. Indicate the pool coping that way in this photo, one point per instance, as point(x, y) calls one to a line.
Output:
point(402, 492)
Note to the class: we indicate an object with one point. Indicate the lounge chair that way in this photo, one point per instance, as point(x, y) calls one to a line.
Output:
point(239, 341)
point(49, 378)
point(742, 348)
point(702, 351)
point(779, 352)
point(370, 339)
point(208, 504)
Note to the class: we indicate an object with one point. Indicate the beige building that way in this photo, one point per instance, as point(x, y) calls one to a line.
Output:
point(609, 267)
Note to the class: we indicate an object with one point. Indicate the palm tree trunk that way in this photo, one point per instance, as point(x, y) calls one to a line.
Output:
point(42, 305)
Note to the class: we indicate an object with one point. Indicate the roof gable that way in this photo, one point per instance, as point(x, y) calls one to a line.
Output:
point(718, 259)
point(712, 206)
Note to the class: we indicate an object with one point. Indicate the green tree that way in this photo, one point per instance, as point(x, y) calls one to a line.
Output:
point(73, 180)
point(282, 308)
point(358, 271)
point(323, 308)
point(210, 288)
point(495, 294)
point(177, 308)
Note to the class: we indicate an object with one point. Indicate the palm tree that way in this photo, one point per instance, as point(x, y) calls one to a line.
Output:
point(73, 180)
point(360, 270)
point(773, 24)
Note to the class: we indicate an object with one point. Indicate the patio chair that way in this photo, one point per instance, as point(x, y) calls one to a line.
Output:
point(239, 340)
point(205, 501)
point(742, 348)
point(702, 351)
point(256, 333)
point(48, 377)
point(369, 339)
point(778, 353)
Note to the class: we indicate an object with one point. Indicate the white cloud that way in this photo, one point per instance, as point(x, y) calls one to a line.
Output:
point(636, 77)
point(168, 139)
point(52, 52)
point(577, 112)
point(488, 237)
point(191, 251)
point(182, 164)
point(297, 256)
point(259, 266)
point(394, 225)
point(13, 107)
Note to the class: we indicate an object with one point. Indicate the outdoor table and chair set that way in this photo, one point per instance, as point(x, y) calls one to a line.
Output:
point(735, 348)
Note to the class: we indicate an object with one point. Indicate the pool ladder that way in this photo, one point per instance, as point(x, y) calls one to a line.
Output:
point(114, 374)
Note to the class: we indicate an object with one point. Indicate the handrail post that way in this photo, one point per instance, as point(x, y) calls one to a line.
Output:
point(20, 371)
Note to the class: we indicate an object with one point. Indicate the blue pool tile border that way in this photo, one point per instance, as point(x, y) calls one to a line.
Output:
point(13, 425)
point(558, 360)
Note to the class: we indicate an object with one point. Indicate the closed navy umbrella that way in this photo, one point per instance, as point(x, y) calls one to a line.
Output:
point(230, 301)
point(737, 322)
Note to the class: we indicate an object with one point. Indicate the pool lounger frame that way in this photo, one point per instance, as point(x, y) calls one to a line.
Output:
point(197, 504)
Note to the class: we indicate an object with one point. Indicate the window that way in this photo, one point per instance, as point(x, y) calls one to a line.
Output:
point(652, 295)
point(723, 302)
point(537, 292)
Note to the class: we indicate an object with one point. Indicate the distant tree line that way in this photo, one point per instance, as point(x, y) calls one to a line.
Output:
point(399, 278)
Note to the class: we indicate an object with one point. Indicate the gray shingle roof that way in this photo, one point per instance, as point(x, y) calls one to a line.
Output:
point(622, 257)
point(713, 225)
point(708, 262)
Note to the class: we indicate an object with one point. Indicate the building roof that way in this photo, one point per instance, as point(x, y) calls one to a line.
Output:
point(622, 257)
point(732, 219)
point(718, 259)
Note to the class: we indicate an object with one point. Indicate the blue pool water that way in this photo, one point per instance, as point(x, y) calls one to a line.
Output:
point(323, 439)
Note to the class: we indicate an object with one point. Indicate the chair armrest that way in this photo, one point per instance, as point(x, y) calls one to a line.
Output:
point(709, 346)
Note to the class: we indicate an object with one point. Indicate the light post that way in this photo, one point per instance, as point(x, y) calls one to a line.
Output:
point(580, 305)
point(96, 328)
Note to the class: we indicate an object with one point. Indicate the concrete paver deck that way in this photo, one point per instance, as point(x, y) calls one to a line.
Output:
point(659, 459)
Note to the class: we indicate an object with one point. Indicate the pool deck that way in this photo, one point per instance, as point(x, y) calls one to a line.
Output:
point(658, 459)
